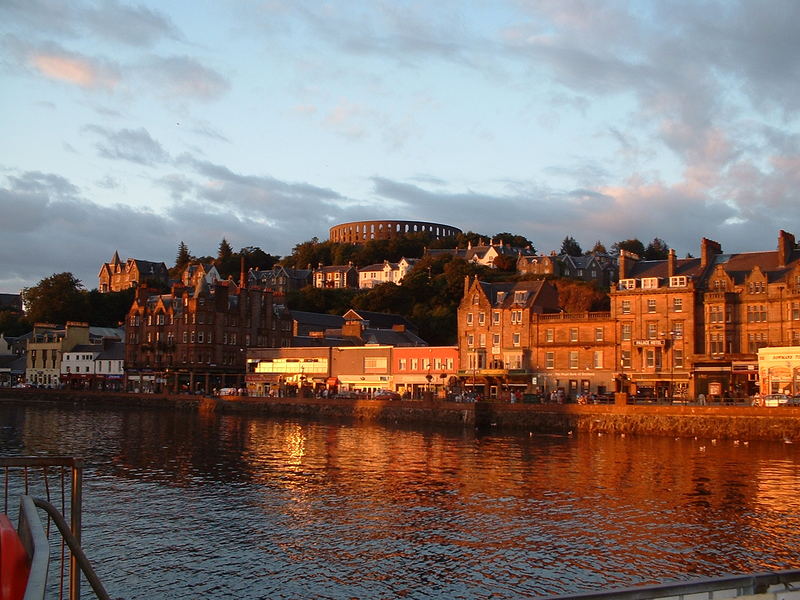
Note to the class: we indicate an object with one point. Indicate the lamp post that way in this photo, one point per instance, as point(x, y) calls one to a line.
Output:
point(668, 337)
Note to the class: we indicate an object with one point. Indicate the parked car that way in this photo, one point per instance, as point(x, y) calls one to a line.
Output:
point(386, 395)
point(794, 401)
point(775, 400)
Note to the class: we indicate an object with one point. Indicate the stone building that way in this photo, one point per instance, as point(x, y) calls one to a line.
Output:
point(385, 272)
point(116, 276)
point(483, 253)
point(336, 276)
point(599, 268)
point(695, 325)
point(361, 232)
point(194, 272)
point(195, 339)
point(280, 280)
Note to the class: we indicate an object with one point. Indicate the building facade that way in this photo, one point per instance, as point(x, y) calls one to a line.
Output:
point(280, 280)
point(336, 276)
point(95, 366)
point(677, 328)
point(116, 276)
point(385, 272)
point(696, 324)
point(46, 348)
point(352, 371)
point(195, 339)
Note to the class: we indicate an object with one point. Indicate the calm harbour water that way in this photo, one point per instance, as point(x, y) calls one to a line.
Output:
point(187, 506)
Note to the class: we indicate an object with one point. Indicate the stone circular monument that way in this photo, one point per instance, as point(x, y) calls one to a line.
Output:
point(361, 232)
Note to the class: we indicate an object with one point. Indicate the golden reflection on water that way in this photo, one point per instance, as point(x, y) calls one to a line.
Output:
point(403, 511)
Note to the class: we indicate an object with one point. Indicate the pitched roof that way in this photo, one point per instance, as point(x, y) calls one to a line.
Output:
point(379, 320)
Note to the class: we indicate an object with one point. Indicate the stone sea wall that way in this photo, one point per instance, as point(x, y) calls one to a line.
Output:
point(723, 422)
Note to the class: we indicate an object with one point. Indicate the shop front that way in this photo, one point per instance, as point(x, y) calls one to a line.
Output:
point(779, 370)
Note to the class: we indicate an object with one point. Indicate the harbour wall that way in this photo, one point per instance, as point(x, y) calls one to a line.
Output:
point(723, 422)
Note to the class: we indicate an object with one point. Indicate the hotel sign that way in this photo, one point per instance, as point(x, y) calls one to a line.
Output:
point(658, 343)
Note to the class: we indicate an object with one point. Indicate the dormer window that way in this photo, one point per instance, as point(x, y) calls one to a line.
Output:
point(649, 283)
point(519, 297)
point(627, 284)
point(500, 297)
point(678, 281)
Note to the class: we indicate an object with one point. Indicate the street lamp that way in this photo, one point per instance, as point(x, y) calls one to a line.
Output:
point(668, 338)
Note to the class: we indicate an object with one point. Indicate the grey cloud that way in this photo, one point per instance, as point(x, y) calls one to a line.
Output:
point(129, 25)
point(23, 212)
point(640, 209)
point(48, 184)
point(134, 145)
point(184, 77)
point(207, 131)
point(108, 183)
point(273, 189)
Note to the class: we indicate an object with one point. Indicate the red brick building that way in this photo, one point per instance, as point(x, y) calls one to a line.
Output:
point(195, 339)
point(694, 326)
point(677, 328)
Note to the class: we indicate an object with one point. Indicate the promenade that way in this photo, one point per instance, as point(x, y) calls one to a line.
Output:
point(737, 422)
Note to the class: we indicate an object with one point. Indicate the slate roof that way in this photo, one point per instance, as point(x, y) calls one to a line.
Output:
point(379, 320)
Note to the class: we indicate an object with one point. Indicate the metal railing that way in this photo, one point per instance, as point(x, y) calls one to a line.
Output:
point(57, 483)
point(720, 587)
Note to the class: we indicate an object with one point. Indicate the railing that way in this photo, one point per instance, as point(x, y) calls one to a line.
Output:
point(58, 481)
point(582, 316)
point(765, 585)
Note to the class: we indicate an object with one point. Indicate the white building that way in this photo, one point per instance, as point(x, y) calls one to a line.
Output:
point(385, 272)
point(94, 366)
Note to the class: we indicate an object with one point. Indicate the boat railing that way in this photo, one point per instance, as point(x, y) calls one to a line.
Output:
point(756, 586)
point(53, 485)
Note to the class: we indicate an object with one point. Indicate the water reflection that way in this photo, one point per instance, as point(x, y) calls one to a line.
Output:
point(182, 505)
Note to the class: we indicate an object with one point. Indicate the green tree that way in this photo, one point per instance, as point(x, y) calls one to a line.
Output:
point(109, 309)
point(256, 258)
point(632, 245)
point(224, 252)
point(56, 299)
point(515, 241)
point(183, 258)
point(505, 263)
point(570, 247)
point(12, 323)
point(656, 250)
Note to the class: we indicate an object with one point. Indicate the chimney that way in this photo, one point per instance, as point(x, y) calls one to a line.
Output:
point(624, 257)
point(672, 263)
point(242, 277)
point(354, 328)
point(466, 285)
point(785, 246)
point(708, 250)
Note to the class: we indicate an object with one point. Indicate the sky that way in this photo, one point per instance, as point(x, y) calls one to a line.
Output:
point(133, 126)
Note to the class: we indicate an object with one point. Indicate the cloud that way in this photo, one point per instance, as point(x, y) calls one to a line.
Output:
point(109, 19)
point(56, 63)
point(131, 25)
point(133, 145)
point(183, 77)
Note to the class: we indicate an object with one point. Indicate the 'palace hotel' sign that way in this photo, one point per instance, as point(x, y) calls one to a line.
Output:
point(648, 342)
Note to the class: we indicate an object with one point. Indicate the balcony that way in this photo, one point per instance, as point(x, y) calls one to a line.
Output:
point(584, 316)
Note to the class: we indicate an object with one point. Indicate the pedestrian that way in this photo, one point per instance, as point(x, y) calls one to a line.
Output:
point(702, 399)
